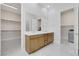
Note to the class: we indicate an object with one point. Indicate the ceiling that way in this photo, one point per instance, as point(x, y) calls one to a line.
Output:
point(59, 6)
point(13, 7)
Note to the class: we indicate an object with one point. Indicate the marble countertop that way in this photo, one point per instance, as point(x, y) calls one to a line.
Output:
point(36, 32)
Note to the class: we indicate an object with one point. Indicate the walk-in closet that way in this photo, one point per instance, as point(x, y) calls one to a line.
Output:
point(10, 27)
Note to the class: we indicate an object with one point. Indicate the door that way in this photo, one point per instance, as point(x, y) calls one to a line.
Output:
point(50, 37)
point(33, 44)
point(41, 41)
point(45, 39)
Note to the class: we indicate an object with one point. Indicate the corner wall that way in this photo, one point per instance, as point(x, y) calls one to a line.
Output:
point(0, 29)
point(76, 28)
point(52, 23)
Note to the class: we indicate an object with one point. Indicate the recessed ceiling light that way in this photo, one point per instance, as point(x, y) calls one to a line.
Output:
point(10, 6)
point(48, 6)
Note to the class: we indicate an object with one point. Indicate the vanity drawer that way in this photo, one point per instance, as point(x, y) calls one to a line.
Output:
point(35, 36)
point(50, 34)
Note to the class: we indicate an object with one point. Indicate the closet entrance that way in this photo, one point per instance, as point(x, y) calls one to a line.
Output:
point(67, 31)
point(10, 28)
point(67, 26)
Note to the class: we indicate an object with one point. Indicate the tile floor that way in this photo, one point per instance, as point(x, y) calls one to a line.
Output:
point(13, 48)
point(10, 46)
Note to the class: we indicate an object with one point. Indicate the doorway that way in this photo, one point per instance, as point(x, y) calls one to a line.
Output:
point(67, 26)
point(10, 28)
point(67, 31)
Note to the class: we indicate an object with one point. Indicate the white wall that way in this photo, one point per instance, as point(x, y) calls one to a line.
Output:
point(76, 28)
point(31, 22)
point(67, 17)
point(32, 8)
point(0, 29)
point(54, 25)
point(0, 36)
point(23, 18)
point(51, 22)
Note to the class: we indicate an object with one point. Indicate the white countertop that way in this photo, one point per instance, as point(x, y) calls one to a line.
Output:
point(36, 32)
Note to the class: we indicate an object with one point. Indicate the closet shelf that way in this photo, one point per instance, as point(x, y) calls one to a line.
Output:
point(10, 20)
point(10, 26)
point(10, 30)
point(16, 38)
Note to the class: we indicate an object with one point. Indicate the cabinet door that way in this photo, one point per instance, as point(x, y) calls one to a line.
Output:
point(50, 37)
point(27, 44)
point(41, 41)
point(45, 39)
point(33, 44)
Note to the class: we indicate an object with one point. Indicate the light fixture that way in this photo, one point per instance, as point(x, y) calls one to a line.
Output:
point(10, 6)
point(48, 6)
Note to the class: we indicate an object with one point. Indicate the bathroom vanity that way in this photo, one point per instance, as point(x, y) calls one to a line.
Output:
point(37, 40)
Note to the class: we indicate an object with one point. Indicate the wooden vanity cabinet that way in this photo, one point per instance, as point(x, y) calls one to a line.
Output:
point(30, 44)
point(35, 42)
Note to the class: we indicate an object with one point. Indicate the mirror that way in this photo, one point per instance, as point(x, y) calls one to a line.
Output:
point(39, 24)
point(33, 23)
